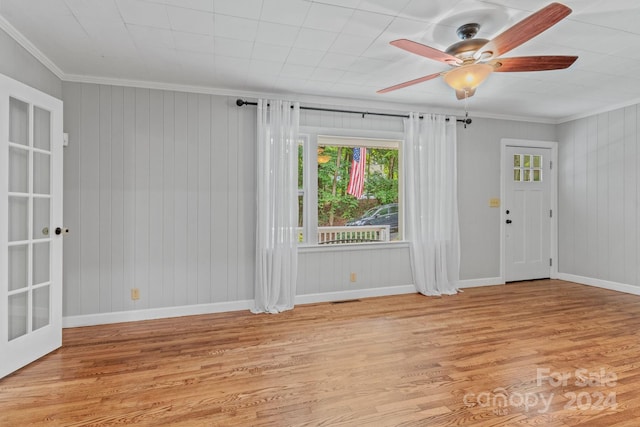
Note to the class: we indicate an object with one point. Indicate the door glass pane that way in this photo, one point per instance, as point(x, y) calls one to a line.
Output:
point(41, 215)
point(527, 161)
point(18, 170)
point(527, 175)
point(40, 263)
point(41, 174)
point(18, 218)
point(18, 122)
point(516, 175)
point(17, 267)
point(41, 128)
point(301, 166)
point(40, 307)
point(536, 175)
point(300, 209)
point(17, 315)
point(516, 160)
point(537, 161)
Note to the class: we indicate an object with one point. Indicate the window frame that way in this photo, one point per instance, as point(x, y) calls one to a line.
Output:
point(309, 137)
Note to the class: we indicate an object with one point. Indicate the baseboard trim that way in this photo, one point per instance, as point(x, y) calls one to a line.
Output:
point(605, 284)
point(154, 313)
point(354, 294)
point(476, 283)
point(190, 310)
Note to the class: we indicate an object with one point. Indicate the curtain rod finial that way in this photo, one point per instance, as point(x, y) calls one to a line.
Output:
point(240, 102)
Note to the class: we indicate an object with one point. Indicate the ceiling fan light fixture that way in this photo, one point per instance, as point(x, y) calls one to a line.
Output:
point(474, 59)
point(467, 77)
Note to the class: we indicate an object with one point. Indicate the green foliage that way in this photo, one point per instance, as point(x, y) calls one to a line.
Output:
point(300, 165)
point(386, 159)
point(384, 189)
point(381, 181)
point(335, 170)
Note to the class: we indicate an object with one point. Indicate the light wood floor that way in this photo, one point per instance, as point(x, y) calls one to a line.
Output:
point(465, 360)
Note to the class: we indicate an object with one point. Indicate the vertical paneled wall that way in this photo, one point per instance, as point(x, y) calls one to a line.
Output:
point(478, 181)
point(159, 195)
point(599, 197)
point(329, 270)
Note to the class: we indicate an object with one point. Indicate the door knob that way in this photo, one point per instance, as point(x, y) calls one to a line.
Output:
point(508, 221)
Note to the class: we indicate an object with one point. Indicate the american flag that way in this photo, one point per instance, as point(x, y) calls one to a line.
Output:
point(356, 179)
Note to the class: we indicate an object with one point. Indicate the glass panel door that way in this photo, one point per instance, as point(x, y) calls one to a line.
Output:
point(29, 218)
point(30, 208)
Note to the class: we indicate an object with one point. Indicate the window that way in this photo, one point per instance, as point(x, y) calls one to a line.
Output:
point(527, 168)
point(349, 191)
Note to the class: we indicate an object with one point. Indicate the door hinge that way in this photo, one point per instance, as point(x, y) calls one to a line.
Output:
point(550, 213)
point(550, 262)
point(550, 164)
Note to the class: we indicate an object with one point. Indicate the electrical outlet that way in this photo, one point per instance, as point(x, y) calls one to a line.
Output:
point(353, 277)
point(135, 294)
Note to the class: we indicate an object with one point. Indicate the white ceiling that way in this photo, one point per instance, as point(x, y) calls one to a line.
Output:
point(337, 49)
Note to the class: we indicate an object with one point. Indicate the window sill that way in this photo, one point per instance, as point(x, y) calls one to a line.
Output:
point(347, 247)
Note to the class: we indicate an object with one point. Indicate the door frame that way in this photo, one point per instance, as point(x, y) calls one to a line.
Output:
point(553, 238)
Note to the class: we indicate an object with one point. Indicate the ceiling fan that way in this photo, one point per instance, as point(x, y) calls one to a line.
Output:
point(474, 59)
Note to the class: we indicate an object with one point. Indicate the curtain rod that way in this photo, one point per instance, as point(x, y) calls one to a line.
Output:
point(241, 102)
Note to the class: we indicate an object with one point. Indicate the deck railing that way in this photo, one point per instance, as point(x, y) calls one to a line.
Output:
point(353, 234)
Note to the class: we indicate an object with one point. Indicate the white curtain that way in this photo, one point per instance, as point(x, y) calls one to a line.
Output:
point(431, 202)
point(277, 216)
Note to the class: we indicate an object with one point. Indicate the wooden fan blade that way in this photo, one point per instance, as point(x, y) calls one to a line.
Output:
point(426, 51)
point(460, 94)
point(409, 83)
point(525, 30)
point(532, 63)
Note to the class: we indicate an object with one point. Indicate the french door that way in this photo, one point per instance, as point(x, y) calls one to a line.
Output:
point(30, 224)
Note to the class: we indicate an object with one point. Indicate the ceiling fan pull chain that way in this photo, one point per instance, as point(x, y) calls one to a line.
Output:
point(466, 105)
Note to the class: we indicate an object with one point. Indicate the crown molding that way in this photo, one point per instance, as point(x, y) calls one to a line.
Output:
point(147, 84)
point(30, 47)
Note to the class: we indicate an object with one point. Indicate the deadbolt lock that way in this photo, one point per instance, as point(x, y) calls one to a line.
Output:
point(60, 230)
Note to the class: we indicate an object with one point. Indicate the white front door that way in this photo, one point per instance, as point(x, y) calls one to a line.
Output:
point(30, 224)
point(527, 213)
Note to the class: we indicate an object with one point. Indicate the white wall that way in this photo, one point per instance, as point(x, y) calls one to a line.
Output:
point(599, 196)
point(159, 195)
point(478, 181)
point(20, 65)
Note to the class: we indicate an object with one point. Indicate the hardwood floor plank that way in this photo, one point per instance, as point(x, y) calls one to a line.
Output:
point(490, 356)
